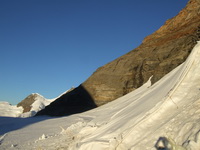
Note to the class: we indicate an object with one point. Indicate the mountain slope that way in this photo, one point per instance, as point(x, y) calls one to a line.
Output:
point(160, 116)
point(159, 53)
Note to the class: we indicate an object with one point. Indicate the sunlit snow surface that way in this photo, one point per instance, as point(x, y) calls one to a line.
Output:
point(8, 110)
point(170, 109)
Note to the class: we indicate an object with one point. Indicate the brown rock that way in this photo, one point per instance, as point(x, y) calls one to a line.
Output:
point(158, 54)
point(27, 102)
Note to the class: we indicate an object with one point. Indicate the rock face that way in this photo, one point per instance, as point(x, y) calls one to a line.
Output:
point(158, 54)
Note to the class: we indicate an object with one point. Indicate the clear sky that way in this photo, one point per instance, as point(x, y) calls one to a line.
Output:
point(49, 46)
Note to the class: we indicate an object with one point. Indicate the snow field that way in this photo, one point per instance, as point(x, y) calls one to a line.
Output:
point(160, 103)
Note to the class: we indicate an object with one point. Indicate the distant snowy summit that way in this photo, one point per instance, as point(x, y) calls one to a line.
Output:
point(27, 107)
point(33, 103)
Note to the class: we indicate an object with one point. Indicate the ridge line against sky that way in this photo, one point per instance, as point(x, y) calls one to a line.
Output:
point(48, 46)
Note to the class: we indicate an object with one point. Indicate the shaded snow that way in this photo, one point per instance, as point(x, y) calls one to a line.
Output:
point(164, 115)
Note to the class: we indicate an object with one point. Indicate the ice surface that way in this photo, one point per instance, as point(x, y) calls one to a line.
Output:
point(164, 115)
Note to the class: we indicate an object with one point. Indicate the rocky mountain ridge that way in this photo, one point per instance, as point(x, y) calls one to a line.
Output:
point(158, 54)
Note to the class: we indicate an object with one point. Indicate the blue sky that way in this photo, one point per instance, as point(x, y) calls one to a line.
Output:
point(49, 46)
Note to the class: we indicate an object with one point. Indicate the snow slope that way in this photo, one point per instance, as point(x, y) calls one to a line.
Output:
point(164, 115)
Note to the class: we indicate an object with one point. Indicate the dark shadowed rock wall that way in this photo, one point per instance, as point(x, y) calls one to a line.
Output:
point(75, 101)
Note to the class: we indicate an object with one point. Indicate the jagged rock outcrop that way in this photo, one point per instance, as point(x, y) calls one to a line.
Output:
point(158, 54)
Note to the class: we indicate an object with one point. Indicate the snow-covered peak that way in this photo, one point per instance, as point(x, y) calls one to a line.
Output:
point(39, 103)
point(27, 107)
point(36, 94)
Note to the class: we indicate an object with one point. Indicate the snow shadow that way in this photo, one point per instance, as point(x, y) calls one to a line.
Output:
point(76, 101)
point(8, 124)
